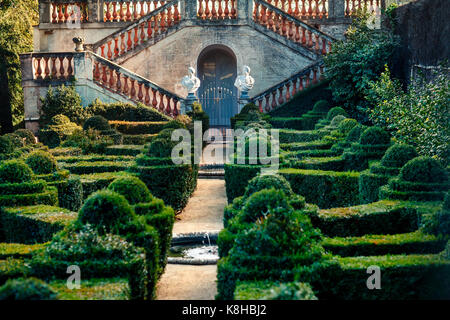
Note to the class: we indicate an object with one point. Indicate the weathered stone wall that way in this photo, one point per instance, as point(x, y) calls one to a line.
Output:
point(424, 30)
point(166, 62)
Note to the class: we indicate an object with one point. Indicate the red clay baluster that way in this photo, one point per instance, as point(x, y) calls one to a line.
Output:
point(133, 89)
point(154, 101)
point(200, 10)
point(125, 85)
point(140, 94)
point(69, 67)
point(54, 71)
point(233, 9)
point(274, 103)
point(118, 83)
point(147, 96)
point(38, 73)
point(111, 79)
point(161, 102)
point(109, 53)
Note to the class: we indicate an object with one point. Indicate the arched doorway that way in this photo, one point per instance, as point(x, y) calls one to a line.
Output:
point(217, 71)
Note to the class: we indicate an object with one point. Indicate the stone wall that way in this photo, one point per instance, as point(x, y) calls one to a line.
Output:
point(166, 62)
point(424, 30)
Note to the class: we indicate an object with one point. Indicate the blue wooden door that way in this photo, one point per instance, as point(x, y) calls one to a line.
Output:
point(217, 94)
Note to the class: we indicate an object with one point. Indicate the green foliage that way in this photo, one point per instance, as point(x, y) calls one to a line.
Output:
point(261, 203)
point(6, 145)
point(438, 223)
point(261, 182)
point(62, 100)
point(70, 193)
point(321, 106)
point(347, 125)
point(336, 121)
point(237, 178)
point(126, 111)
point(90, 141)
point(419, 116)
point(41, 162)
point(107, 211)
point(336, 111)
point(353, 63)
point(59, 128)
point(355, 134)
point(374, 136)
point(424, 170)
point(291, 291)
point(138, 127)
point(327, 189)
point(96, 123)
point(16, 37)
point(15, 171)
point(26, 289)
point(398, 155)
point(133, 189)
point(27, 136)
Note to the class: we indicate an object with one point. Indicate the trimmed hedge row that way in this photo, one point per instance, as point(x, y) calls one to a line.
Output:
point(124, 150)
point(11, 268)
point(373, 245)
point(137, 139)
point(269, 290)
point(327, 189)
point(237, 178)
point(86, 167)
point(18, 250)
point(97, 181)
point(138, 127)
point(93, 158)
point(49, 197)
point(324, 163)
point(93, 289)
point(411, 277)
point(292, 136)
point(385, 217)
point(173, 184)
point(299, 146)
point(33, 224)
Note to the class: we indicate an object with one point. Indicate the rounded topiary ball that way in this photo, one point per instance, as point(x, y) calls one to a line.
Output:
point(132, 188)
point(321, 106)
point(26, 289)
point(16, 140)
point(261, 182)
point(59, 120)
point(15, 171)
point(347, 125)
point(336, 111)
point(336, 121)
point(424, 170)
point(398, 155)
point(374, 136)
point(261, 202)
point(175, 124)
point(106, 209)
point(26, 135)
point(250, 107)
point(97, 123)
point(161, 147)
point(41, 162)
point(355, 134)
point(6, 145)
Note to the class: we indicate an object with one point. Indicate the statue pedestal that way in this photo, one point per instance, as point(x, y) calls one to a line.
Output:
point(244, 98)
point(190, 99)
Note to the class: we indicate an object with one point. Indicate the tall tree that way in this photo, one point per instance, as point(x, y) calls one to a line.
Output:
point(17, 18)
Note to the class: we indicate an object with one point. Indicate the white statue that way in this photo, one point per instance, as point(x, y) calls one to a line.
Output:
point(191, 82)
point(245, 82)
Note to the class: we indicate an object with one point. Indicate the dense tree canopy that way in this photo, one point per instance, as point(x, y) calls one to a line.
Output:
point(17, 18)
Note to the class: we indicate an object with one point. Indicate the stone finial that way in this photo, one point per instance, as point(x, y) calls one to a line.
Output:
point(245, 81)
point(191, 83)
point(79, 44)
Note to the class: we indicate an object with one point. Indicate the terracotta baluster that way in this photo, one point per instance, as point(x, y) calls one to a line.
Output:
point(310, 10)
point(288, 93)
point(155, 24)
point(310, 42)
point(300, 87)
point(304, 36)
point(321, 77)
point(66, 12)
point(233, 9)
point(283, 26)
point(54, 71)
point(163, 22)
point(274, 99)
point(133, 89)
point(104, 75)
point(140, 93)
point(277, 23)
point(60, 13)
point(46, 68)
point(122, 43)
point(128, 13)
point(96, 71)
point(296, 10)
point(347, 7)
point(324, 13)
point(54, 15)
point(154, 101)
point(142, 32)
point(298, 37)
point(308, 79)
point(317, 11)
point(136, 38)
point(289, 11)
point(135, 12)
point(129, 41)
point(169, 107)
point(149, 29)
point(69, 67)
point(213, 11)
point(118, 82)
point(263, 16)
point(260, 100)
point(142, 11)
point(324, 46)
point(109, 53)
point(316, 44)
point(220, 11)
point(111, 79)
point(147, 96)
point(267, 103)
point(125, 85)
point(200, 10)
point(329, 46)
point(256, 16)
point(114, 15)
point(38, 73)
point(175, 108)
point(161, 102)
point(280, 96)
point(303, 8)
point(294, 87)
point(108, 14)
point(314, 76)
point(176, 14)
point(121, 14)
point(291, 31)
point(207, 11)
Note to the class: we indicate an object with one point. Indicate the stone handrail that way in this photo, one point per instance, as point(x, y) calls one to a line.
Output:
point(142, 30)
point(276, 20)
point(352, 6)
point(69, 11)
point(303, 9)
point(283, 91)
point(133, 87)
